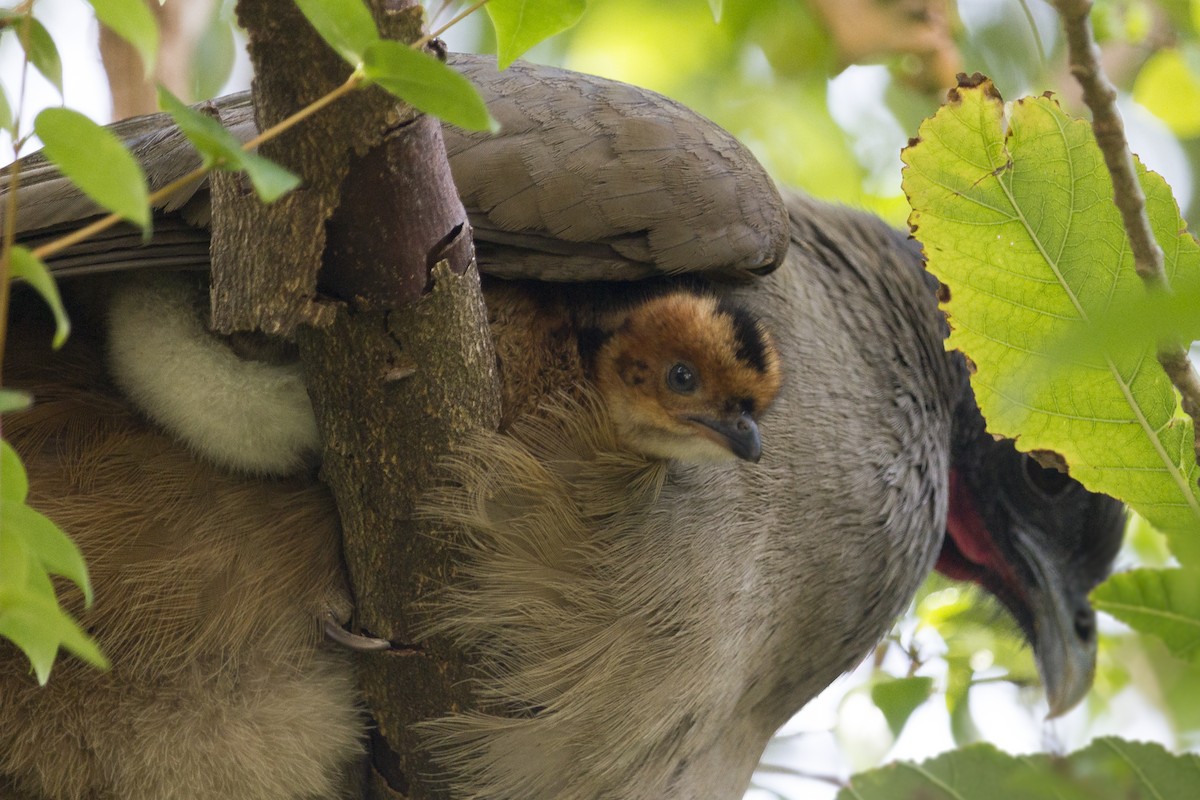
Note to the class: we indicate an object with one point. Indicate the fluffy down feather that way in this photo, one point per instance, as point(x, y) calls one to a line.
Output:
point(238, 413)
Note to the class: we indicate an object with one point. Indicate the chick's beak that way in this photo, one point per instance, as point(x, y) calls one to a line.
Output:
point(739, 434)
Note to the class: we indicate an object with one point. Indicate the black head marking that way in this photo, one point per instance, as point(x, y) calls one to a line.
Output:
point(751, 342)
point(590, 340)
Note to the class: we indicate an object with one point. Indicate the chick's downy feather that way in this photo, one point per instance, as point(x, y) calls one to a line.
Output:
point(208, 588)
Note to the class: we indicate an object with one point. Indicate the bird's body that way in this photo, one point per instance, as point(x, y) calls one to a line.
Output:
point(680, 673)
point(642, 625)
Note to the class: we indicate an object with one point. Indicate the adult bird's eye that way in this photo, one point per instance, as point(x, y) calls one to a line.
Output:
point(1049, 482)
point(680, 378)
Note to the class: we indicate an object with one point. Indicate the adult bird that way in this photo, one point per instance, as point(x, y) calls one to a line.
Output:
point(643, 624)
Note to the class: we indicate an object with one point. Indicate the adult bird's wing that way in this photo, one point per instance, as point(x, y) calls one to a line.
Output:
point(587, 180)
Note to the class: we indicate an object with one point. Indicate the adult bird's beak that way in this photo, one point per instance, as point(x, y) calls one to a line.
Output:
point(1060, 623)
point(739, 434)
point(1040, 554)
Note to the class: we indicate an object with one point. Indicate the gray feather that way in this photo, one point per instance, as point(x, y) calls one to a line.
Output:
point(644, 628)
point(588, 180)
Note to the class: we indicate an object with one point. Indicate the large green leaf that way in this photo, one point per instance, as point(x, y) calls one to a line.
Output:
point(1163, 602)
point(221, 150)
point(1108, 769)
point(345, 25)
point(1017, 219)
point(520, 24)
point(95, 161)
point(426, 83)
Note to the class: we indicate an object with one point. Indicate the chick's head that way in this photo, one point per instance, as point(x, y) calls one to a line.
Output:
point(686, 376)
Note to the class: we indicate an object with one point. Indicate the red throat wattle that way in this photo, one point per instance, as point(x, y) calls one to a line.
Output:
point(969, 552)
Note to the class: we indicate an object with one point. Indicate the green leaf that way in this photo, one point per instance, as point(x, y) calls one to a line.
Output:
point(38, 626)
point(715, 5)
point(25, 624)
point(1134, 322)
point(1108, 769)
point(41, 51)
point(899, 698)
point(270, 180)
point(29, 544)
point(12, 400)
point(95, 161)
point(1162, 602)
point(1018, 221)
point(426, 83)
point(53, 549)
point(520, 24)
point(18, 567)
point(29, 268)
point(217, 146)
point(133, 22)
point(977, 771)
point(14, 483)
point(346, 25)
point(6, 115)
point(1139, 769)
point(75, 639)
point(214, 57)
point(219, 149)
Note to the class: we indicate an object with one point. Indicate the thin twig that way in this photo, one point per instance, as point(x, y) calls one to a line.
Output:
point(1033, 30)
point(1101, 98)
point(435, 16)
point(348, 86)
point(104, 223)
point(10, 209)
point(427, 38)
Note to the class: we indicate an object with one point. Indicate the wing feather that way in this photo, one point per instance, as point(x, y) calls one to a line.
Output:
point(588, 179)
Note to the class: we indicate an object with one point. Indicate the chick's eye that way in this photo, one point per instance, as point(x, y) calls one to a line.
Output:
point(1049, 482)
point(680, 378)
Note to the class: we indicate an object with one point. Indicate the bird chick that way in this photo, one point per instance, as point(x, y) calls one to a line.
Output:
point(686, 375)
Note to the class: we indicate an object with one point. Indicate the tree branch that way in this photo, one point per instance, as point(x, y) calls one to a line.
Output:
point(399, 364)
point(1101, 98)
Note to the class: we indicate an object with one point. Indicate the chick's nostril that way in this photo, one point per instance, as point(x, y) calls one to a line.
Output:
point(1085, 624)
point(743, 425)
